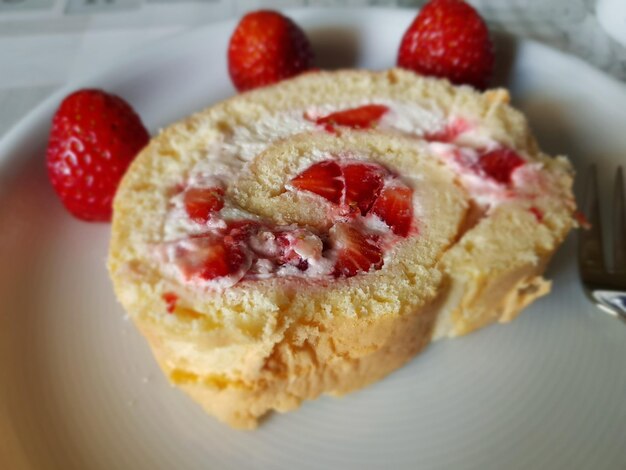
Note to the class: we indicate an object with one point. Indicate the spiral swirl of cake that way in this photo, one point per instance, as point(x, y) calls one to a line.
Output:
point(311, 237)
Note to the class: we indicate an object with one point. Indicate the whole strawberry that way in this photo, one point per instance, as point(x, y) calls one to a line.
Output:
point(94, 137)
point(449, 39)
point(265, 48)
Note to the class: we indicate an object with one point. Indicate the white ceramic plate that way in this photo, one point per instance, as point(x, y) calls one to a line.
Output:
point(79, 388)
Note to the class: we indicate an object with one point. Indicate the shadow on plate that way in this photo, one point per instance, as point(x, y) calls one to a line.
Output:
point(505, 51)
point(28, 213)
point(335, 47)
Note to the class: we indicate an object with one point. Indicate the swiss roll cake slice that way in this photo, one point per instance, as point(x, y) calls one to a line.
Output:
point(311, 237)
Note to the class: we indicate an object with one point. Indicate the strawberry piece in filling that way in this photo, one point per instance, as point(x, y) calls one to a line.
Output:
point(362, 117)
point(240, 230)
point(352, 185)
point(363, 182)
point(582, 220)
point(500, 164)
point(209, 256)
point(200, 203)
point(394, 206)
point(170, 300)
point(356, 252)
point(324, 179)
point(449, 133)
point(537, 213)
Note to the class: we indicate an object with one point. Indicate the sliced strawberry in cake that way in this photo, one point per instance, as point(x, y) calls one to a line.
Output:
point(450, 132)
point(210, 256)
point(324, 179)
point(500, 164)
point(200, 203)
point(355, 250)
point(362, 117)
point(362, 182)
point(394, 206)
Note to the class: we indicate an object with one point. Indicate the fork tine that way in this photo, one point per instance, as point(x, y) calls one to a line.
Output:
point(590, 252)
point(619, 223)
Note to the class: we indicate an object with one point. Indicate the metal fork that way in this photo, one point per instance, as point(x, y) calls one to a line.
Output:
point(604, 285)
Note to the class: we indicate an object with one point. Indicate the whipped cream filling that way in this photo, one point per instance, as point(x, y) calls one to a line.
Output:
point(227, 157)
point(460, 149)
point(218, 248)
point(485, 192)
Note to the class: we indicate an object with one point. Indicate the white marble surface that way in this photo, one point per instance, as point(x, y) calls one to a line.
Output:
point(39, 55)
